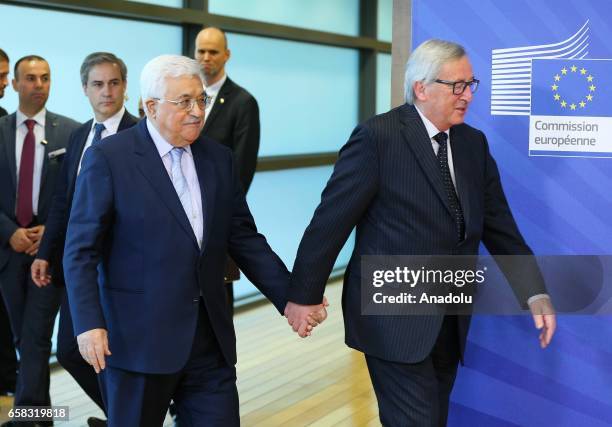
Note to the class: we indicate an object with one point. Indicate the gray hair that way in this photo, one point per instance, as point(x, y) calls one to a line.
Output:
point(155, 72)
point(98, 58)
point(425, 62)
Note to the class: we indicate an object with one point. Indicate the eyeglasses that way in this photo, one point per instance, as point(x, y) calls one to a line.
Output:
point(459, 87)
point(186, 104)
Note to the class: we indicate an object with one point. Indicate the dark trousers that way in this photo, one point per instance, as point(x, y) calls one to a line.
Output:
point(204, 391)
point(32, 312)
point(70, 358)
point(417, 394)
point(8, 357)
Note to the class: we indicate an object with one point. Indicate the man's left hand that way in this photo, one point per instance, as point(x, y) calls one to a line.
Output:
point(544, 318)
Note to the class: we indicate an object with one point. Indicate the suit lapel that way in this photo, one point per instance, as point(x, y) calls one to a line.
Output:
point(218, 106)
point(152, 168)
point(9, 145)
point(208, 186)
point(80, 140)
point(51, 136)
point(416, 137)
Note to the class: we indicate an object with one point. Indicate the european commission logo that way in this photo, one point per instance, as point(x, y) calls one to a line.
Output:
point(567, 97)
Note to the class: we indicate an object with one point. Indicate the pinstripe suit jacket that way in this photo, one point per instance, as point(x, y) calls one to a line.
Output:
point(388, 184)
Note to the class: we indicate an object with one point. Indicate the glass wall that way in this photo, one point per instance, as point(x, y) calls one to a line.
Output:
point(313, 88)
point(73, 37)
point(385, 20)
point(337, 16)
point(282, 203)
point(383, 82)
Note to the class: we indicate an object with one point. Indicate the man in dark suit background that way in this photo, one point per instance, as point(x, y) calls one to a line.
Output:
point(104, 80)
point(32, 145)
point(8, 357)
point(410, 192)
point(232, 117)
point(158, 207)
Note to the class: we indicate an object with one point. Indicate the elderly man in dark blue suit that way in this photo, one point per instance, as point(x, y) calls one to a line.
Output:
point(155, 211)
point(414, 181)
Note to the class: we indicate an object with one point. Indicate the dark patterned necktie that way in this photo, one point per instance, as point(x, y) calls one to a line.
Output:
point(451, 194)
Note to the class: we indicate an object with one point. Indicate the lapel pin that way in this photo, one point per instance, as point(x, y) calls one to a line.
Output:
point(221, 100)
point(44, 142)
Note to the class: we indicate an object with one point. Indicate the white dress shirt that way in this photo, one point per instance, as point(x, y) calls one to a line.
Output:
point(111, 126)
point(196, 218)
point(432, 131)
point(213, 91)
point(21, 130)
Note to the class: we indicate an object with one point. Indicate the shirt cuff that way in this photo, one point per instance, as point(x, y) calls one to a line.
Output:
point(534, 298)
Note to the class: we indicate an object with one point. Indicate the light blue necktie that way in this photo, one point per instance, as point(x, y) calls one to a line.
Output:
point(179, 181)
point(98, 129)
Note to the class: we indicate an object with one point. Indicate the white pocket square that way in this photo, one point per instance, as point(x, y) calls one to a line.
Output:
point(56, 153)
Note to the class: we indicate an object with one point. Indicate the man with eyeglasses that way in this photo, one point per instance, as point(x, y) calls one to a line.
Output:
point(414, 181)
point(158, 207)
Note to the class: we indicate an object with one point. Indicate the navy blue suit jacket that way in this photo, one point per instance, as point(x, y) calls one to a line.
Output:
point(57, 133)
point(52, 245)
point(127, 217)
point(388, 184)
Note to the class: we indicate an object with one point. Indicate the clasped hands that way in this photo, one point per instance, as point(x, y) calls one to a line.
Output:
point(303, 318)
point(27, 240)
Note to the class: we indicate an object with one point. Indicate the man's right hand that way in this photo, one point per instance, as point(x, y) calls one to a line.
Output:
point(20, 241)
point(93, 346)
point(40, 272)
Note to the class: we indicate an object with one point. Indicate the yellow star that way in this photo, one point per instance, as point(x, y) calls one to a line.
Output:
point(573, 68)
point(592, 88)
point(589, 78)
point(583, 71)
point(589, 97)
point(557, 77)
point(582, 104)
point(563, 104)
point(564, 71)
point(555, 87)
point(573, 106)
point(557, 96)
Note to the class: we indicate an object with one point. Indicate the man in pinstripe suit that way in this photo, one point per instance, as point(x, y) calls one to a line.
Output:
point(409, 192)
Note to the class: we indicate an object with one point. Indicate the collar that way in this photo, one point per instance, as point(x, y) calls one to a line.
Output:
point(214, 88)
point(163, 146)
point(112, 123)
point(432, 130)
point(39, 118)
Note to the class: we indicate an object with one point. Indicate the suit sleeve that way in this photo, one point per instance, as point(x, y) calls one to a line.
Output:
point(344, 201)
point(252, 253)
point(7, 228)
point(90, 220)
point(246, 140)
point(57, 219)
point(503, 239)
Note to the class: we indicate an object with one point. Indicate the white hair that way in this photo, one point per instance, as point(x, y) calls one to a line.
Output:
point(425, 62)
point(156, 71)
